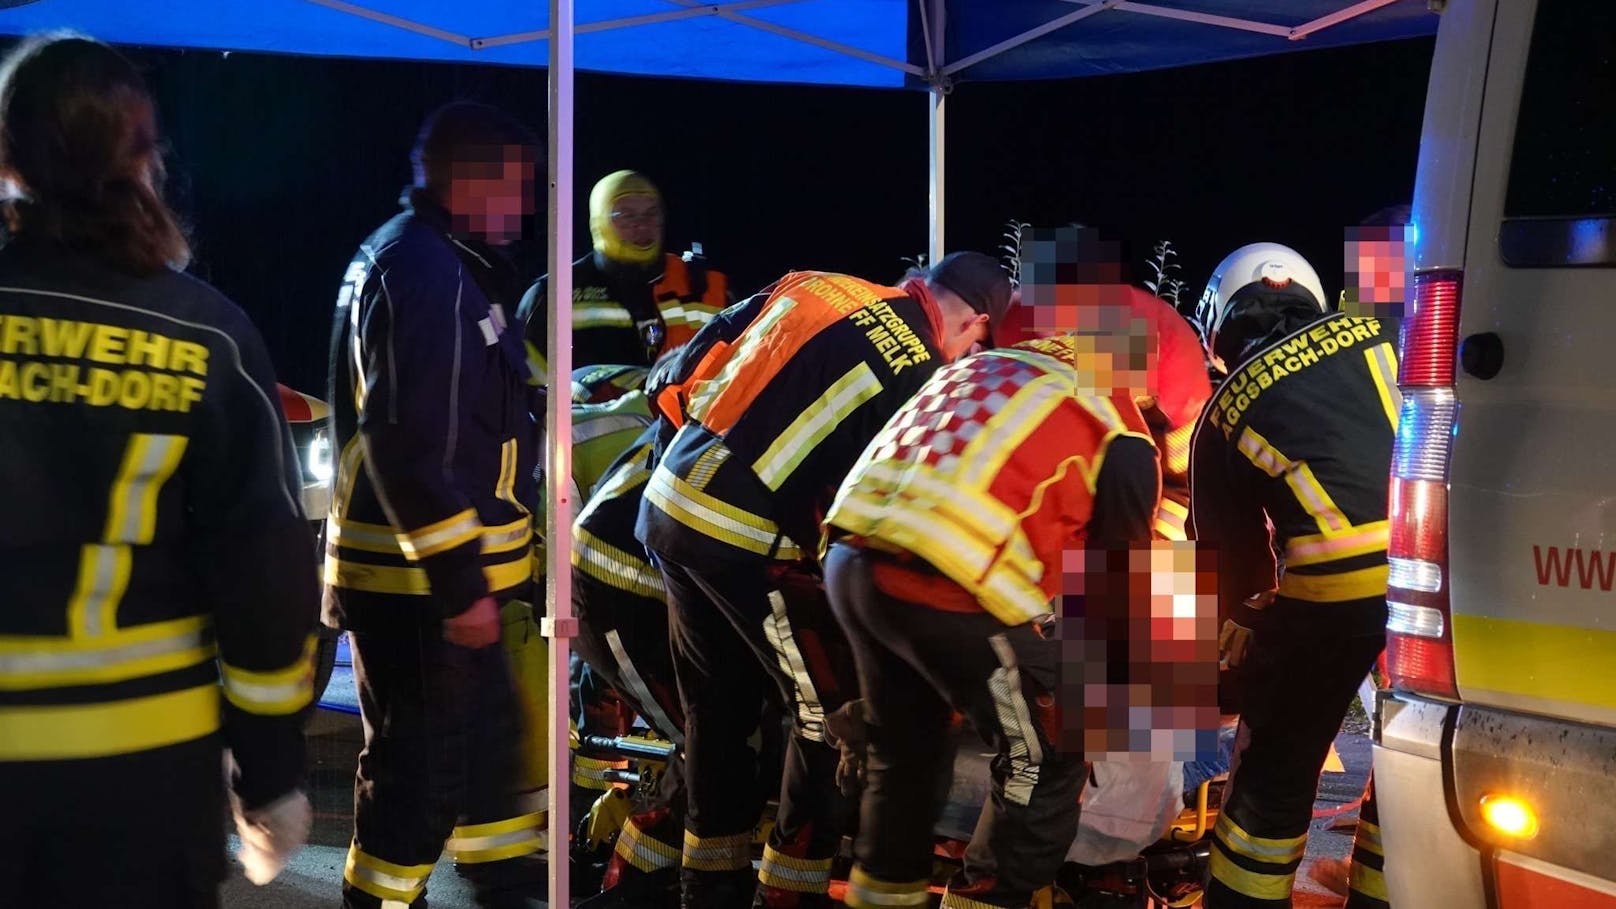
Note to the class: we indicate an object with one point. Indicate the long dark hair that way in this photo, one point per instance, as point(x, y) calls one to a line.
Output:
point(78, 132)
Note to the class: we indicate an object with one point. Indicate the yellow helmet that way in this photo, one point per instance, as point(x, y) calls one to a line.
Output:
point(608, 241)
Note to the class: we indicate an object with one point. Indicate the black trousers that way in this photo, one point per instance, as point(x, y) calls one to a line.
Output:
point(439, 769)
point(736, 628)
point(916, 664)
point(1305, 663)
point(143, 831)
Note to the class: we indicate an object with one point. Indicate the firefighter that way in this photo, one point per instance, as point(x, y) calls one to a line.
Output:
point(429, 529)
point(948, 543)
point(151, 522)
point(785, 391)
point(1298, 439)
point(632, 302)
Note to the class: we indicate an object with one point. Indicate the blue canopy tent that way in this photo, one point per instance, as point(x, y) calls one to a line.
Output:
point(921, 45)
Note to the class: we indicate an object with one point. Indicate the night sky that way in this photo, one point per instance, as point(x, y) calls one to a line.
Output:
point(283, 164)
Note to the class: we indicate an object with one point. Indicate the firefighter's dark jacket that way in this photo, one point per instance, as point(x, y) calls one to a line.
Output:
point(777, 398)
point(627, 315)
point(1300, 435)
point(431, 415)
point(150, 524)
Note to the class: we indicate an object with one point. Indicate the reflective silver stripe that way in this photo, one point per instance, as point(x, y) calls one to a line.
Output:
point(642, 692)
point(501, 537)
point(815, 423)
point(865, 895)
point(138, 487)
point(107, 583)
point(475, 844)
point(592, 429)
point(19, 663)
point(266, 695)
point(338, 532)
point(413, 544)
point(663, 488)
point(601, 317)
point(615, 567)
point(744, 349)
point(410, 884)
point(1016, 719)
point(777, 628)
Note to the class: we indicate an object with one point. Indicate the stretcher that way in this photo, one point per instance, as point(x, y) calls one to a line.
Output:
point(1153, 837)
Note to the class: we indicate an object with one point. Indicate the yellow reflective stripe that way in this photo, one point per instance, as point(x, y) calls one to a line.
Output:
point(610, 565)
point(28, 663)
point(785, 872)
point(601, 315)
point(76, 731)
point(644, 851)
point(639, 690)
point(499, 840)
point(1171, 519)
point(505, 486)
point(1318, 503)
point(274, 693)
point(1367, 838)
point(103, 578)
point(1004, 432)
point(348, 467)
point(1361, 539)
point(441, 536)
point(148, 462)
point(1561, 655)
point(718, 853)
point(382, 538)
point(865, 892)
point(952, 900)
point(1249, 883)
point(1176, 449)
point(916, 482)
point(384, 880)
point(1271, 850)
point(410, 581)
point(1260, 452)
point(1368, 881)
point(816, 422)
point(745, 349)
point(717, 519)
point(1383, 369)
point(1299, 476)
point(591, 773)
point(1335, 588)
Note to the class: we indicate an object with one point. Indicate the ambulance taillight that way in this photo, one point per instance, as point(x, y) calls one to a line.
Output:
point(1419, 638)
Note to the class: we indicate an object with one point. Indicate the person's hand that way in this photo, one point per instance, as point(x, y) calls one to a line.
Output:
point(271, 835)
point(476, 627)
point(845, 731)
point(1240, 628)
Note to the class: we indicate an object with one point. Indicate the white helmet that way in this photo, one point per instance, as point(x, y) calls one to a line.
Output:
point(1270, 263)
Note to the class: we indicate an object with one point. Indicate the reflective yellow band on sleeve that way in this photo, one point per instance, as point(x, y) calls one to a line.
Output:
point(148, 462)
point(77, 731)
point(275, 693)
point(609, 315)
point(385, 880)
point(442, 536)
point(1335, 588)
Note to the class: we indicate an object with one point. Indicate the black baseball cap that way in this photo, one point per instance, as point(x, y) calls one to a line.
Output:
point(979, 280)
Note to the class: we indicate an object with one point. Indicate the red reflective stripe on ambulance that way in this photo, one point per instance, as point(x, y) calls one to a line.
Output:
point(1526, 883)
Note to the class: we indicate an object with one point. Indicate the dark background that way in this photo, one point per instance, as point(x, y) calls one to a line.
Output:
point(283, 165)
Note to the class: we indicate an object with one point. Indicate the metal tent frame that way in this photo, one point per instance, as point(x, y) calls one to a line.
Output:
point(560, 625)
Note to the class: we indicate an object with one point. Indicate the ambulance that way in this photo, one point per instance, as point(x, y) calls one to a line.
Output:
point(1495, 745)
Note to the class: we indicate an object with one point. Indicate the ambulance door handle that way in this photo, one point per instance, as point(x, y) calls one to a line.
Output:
point(1482, 355)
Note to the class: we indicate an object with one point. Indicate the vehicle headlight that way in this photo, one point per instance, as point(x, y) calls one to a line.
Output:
point(318, 457)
